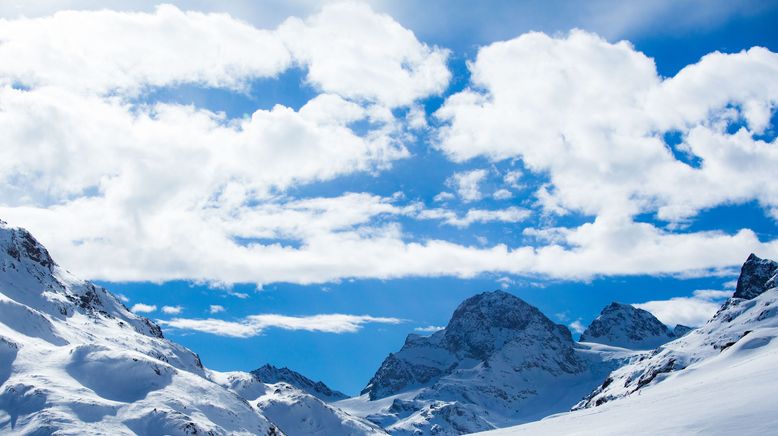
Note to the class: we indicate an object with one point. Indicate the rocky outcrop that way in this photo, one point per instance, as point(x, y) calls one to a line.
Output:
point(756, 276)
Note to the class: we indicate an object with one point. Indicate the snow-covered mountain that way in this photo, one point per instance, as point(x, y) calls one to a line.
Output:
point(623, 325)
point(295, 412)
point(271, 374)
point(717, 380)
point(74, 360)
point(756, 276)
point(498, 362)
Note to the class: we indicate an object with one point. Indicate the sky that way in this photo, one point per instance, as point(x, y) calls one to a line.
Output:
point(306, 183)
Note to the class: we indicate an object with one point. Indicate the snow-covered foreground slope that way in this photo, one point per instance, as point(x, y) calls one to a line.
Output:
point(74, 360)
point(294, 411)
point(498, 362)
point(718, 379)
point(732, 392)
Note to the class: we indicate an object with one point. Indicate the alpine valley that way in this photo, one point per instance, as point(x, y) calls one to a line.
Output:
point(75, 360)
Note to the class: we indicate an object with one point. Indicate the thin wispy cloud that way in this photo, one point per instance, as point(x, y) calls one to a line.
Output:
point(255, 324)
point(429, 329)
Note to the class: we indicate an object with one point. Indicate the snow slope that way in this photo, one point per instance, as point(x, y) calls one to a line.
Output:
point(729, 392)
point(270, 374)
point(498, 362)
point(718, 379)
point(74, 360)
point(294, 411)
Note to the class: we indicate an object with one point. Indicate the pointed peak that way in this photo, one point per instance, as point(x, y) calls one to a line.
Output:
point(756, 276)
point(19, 244)
point(624, 325)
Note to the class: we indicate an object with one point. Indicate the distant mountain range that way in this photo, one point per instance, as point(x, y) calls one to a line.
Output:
point(74, 360)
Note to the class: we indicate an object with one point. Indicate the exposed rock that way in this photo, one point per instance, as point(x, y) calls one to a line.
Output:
point(756, 276)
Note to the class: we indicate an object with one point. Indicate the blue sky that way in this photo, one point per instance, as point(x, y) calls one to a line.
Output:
point(269, 165)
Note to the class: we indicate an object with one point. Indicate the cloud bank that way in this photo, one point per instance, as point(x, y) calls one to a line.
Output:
point(181, 192)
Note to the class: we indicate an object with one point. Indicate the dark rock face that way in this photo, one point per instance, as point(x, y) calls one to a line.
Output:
point(623, 325)
point(271, 374)
point(681, 330)
point(756, 276)
point(23, 244)
point(482, 327)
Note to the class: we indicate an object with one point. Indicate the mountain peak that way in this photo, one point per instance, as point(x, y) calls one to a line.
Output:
point(624, 325)
point(756, 276)
point(485, 328)
point(21, 246)
point(271, 374)
point(484, 322)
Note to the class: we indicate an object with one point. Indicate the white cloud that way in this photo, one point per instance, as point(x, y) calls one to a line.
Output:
point(512, 178)
point(429, 329)
point(123, 298)
point(444, 196)
point(102, 51)
point(590, 115)
point(179, 192)
point(467, 184)
point(577, 327)
point(143, 308)
point(172, 310)
point(509, 215)
point(502, 194)
point(216, 308)
point(354, 52)
point(691, 311)
point(505, 282)
point(255, 324)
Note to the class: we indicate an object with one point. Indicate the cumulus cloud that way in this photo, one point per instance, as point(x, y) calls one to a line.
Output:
point(691, 311)
point(577, 327)
point(502, 194)
point(354, 52)
point(255, 324)
point(143, 308)
point(467, 184)
point(181, 192)
point(216, 308)
point(102, 51)
point(591, 115)
point(172, 310)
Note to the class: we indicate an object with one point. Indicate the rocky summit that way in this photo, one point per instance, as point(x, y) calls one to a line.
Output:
point(756, 276)
point(623, 325)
